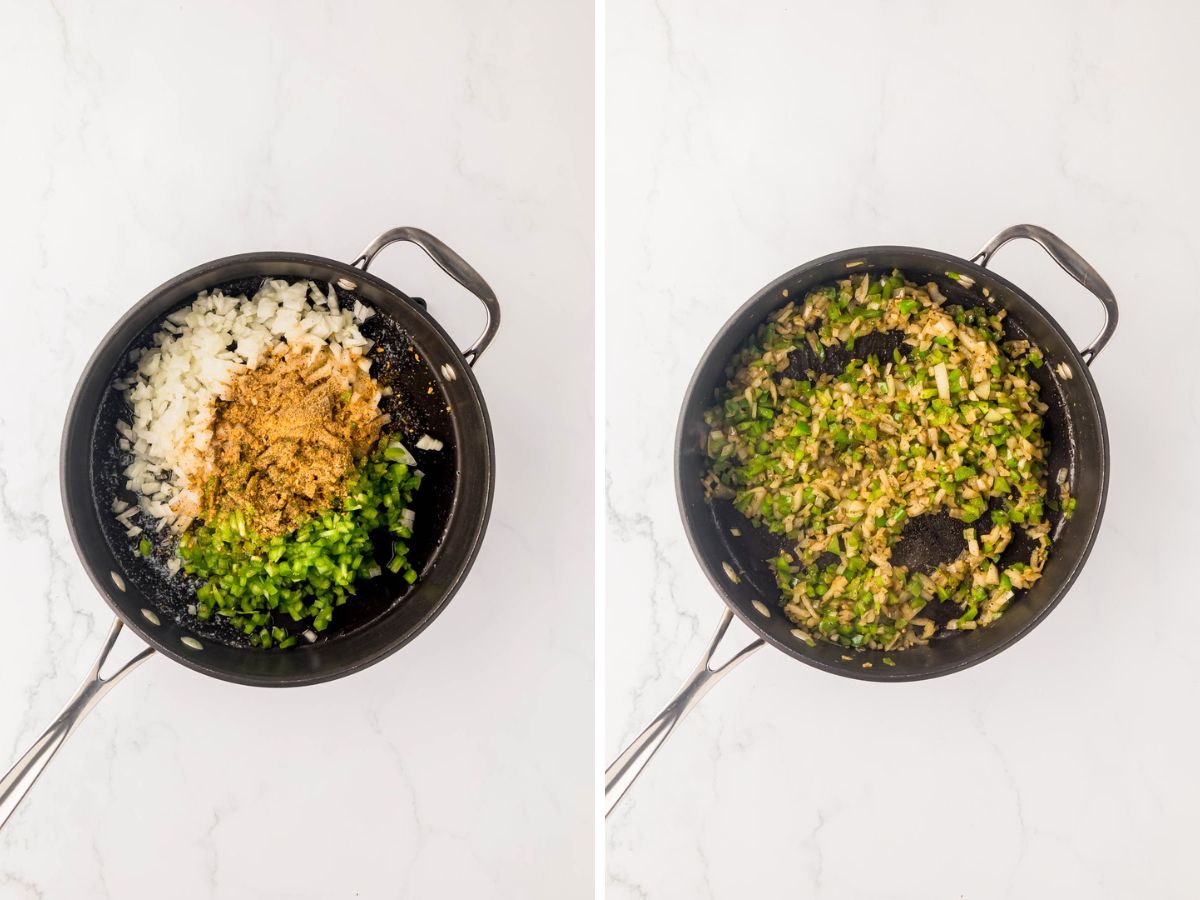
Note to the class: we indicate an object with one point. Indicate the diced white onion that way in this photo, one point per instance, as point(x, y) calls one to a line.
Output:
point(174, 384)
point(408, 459)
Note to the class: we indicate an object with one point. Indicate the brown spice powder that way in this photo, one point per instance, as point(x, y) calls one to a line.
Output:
point(286, 438)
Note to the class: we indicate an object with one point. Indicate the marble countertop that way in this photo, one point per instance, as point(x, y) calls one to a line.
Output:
point(143, 139)
point(746, 139)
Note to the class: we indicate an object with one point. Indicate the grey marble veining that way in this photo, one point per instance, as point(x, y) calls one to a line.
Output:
point(143, 139)
point(746, 139)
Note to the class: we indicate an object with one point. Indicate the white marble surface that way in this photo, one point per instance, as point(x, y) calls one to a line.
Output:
point(744, 139)
point(141, 139)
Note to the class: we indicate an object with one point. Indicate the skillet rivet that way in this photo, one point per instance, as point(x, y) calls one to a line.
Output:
point(149, 616)
point(189, 641)
point(118, 581)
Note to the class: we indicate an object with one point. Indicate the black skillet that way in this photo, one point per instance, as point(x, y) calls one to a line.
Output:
point(736, 566)
point(435, 392)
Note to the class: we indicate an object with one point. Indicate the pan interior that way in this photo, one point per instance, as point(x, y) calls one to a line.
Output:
point(418, 406)
point(435, 393)
point(1073, 427)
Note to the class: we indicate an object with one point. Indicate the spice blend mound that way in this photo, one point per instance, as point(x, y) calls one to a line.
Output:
point(287, 437)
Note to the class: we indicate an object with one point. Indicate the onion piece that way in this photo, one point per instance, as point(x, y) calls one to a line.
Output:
point(942, 377)
point(425, 442)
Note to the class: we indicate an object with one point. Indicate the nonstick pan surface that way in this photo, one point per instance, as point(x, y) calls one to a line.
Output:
point(725, 542)
point(1074, 428)
point(435, 392)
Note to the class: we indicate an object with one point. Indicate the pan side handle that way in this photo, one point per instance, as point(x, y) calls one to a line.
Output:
point(624, 770)
point(1073, 264)
point(20, 778)
point(454, 266)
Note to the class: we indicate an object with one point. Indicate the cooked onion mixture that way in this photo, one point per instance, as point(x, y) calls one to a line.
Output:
point(256, 448)
point(950, 422)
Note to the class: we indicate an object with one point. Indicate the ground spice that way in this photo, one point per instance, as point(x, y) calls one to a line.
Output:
point(287, 436)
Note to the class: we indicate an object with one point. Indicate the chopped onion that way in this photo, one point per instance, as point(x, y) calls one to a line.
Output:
point(172, 386)
point(943, 380)
point(408, 459)
point(425, 442)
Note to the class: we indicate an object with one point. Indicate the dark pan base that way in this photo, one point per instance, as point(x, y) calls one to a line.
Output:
point(418, 406)
point(434, 392)
point(1074, 427)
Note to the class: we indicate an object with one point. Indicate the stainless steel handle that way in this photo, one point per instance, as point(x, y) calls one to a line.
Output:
point(454, 266)
point(20, 778)
point(1073, 264)
point(628, 766)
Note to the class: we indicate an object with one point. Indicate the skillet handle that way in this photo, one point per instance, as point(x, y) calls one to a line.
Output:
point(454, 266)
point(625, 768)
point(20, 778)
point(1073, 264)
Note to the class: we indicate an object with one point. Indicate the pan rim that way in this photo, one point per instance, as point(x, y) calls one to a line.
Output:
point(885, 674)
point(473, 537)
